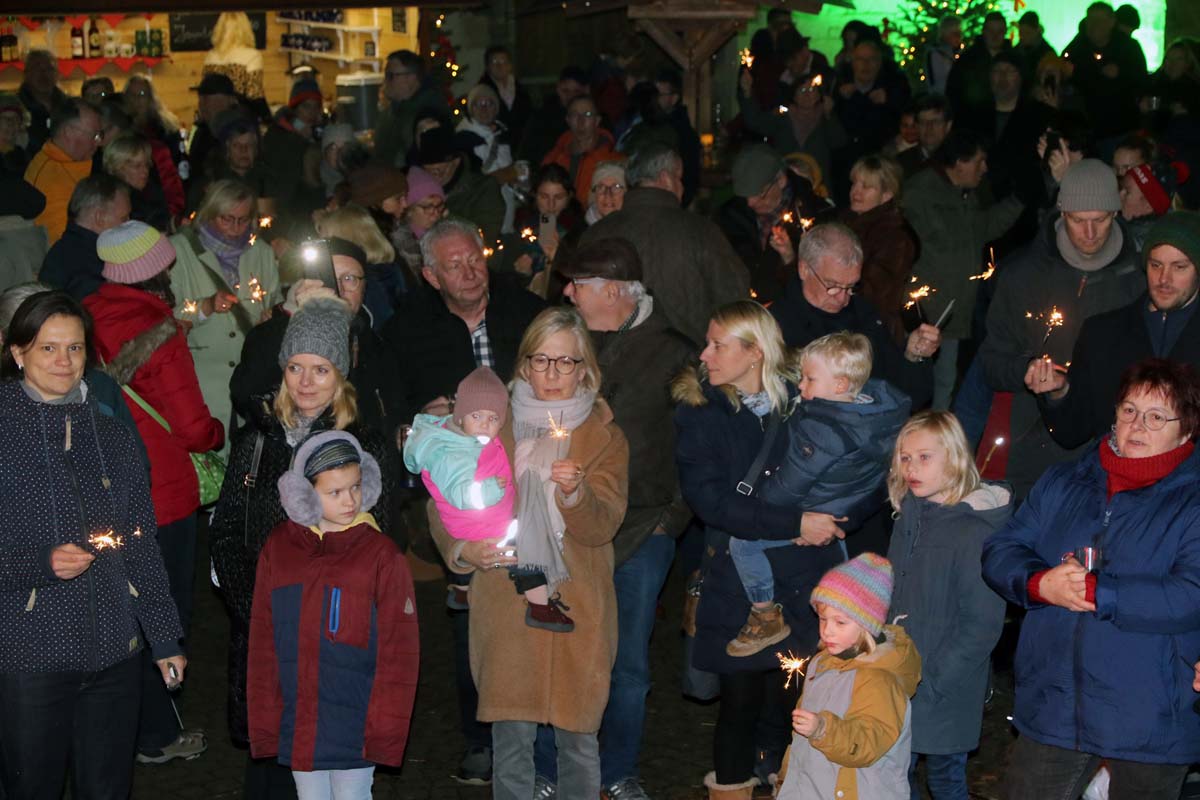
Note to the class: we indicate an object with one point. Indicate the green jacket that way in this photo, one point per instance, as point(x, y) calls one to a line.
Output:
point(451, 458)
point(952, 228)
point(216, 341)
point(394, 127)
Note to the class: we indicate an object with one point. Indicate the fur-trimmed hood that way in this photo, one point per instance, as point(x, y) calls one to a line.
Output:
point(298, 497)
point(134, 354)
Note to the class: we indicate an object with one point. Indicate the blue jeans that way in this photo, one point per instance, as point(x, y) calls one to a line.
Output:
point(335, 784)
point(753, 568)
point(946, 776)
point(638, 582)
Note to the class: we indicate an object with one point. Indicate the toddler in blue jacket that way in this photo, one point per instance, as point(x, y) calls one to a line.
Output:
point(840, 439)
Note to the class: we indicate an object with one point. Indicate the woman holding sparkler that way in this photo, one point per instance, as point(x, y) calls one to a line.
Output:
point(1105, 556)
point(82, 574)
point(528, 675)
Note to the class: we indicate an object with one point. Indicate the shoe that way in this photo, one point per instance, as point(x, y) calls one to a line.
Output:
point(457, 598)
point(729, 791)
point(549, 617)
point(628, 789)
point(766, 767)
point(762, 629)
point(475, 769)
point(189, 745)
point(543, 789)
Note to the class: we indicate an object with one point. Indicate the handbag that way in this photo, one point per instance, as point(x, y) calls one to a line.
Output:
point(210, 467)
point(697, 683)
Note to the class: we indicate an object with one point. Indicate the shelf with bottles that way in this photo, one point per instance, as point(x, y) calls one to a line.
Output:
point(332, 26)
point(343, 58)
point(350, 39)
point(90, 66)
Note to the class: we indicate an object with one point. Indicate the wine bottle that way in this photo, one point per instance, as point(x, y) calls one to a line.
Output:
point(76, 42)
point(95, 45)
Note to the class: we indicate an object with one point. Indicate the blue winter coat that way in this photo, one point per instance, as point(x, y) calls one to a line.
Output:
point(1117, 682)
point(953, 617)
point(715, 446)
point(838, 453)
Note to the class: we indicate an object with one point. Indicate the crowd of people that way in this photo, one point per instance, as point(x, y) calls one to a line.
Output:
point(910, 359)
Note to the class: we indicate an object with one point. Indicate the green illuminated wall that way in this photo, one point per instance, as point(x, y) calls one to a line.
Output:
point(1060, 18)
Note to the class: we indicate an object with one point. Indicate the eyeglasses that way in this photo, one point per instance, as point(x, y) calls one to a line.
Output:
point(833, 289)
point(577, 282)
point(351, 282)
point(609, 188)
point(232, 221)
point(563, 365)
point(1153, 420)
point(96, 135)
point(431, 208)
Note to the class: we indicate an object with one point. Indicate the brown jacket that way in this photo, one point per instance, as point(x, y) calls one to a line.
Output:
point(531, 675)
point(889, 250)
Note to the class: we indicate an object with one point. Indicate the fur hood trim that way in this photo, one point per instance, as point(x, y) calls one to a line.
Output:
point(298, 497)
point(134, 354)
point(686, 388)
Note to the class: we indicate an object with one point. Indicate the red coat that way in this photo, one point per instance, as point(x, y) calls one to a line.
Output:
point(604, 151)
point(142, 345)
point(168, 176)
point(334, 649)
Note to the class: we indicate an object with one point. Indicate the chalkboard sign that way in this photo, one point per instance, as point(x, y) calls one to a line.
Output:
point(193, 32)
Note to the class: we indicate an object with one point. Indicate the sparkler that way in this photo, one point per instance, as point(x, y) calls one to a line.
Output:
point(257, 293)
point(265, 222)
point(788, 217)
point(745, 57)
point(528, 235)
point(487, 252)
point(253, 239)
point(991, 268)
point(817, 81)
point(108, 539)
point(190, 307)
point(793, 666)
point(998, 442)
point(1053, 320)
point(806, 223)
point(560, 434)
point(916, 296)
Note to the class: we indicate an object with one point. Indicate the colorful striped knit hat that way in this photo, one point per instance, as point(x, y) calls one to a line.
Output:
point(133, 252)
point(861, 589)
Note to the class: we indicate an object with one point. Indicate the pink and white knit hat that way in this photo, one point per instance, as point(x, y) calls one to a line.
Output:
point(133, 252)
point(861, 589)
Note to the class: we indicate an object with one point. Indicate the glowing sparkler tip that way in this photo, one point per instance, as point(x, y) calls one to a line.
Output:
point(104, 540)
point(792, 665)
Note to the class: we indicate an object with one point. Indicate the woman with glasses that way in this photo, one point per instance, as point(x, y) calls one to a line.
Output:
point(526, 675)
point(543, 227)
point(1104, 555)
point(224, 281)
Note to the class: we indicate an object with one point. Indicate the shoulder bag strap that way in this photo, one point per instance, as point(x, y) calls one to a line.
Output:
point(149, 409)
point(249, 481)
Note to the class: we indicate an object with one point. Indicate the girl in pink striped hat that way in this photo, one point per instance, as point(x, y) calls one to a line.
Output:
point(853, 727)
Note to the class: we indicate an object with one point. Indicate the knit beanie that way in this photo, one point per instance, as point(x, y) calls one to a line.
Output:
point(1158, 182)
point(422, 185)
point(330, 454)
point(370, 185)
point(482, 390)
point(1179, 229)
point(321, 327)
point(1089, 185)
point(305, 88)
point(861, 589)
point(133, 252)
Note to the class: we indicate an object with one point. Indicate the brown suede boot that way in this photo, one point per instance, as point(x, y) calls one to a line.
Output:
point(763, 628)
point(732, 791)
point(549, 617)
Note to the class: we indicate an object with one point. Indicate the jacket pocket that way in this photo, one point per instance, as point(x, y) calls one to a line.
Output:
point(348, 614)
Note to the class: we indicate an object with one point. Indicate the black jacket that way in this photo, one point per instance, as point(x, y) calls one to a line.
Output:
point(516, 117)
point(374, 372)
point(18, 197)
point(434, 346)
point(637, 367)
point(1107, 345)
point(1111, 103)
point(801, 323)
point(969, 86)
point(72, 264)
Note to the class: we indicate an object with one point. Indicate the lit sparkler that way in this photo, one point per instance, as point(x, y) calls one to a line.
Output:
point(788, 217)
point(806, 223)
point(488, 252)
point(917, 295)
point(528, 235)
point(265, 222)
point(745, 57)
point(991, 268)
point(190, 307)
point(107, 539)
point(257, 293)
point(991, 450)
point(253, 239)
point(793, 666)
point(560, 434)
point(1053, 320)
point(817, 81)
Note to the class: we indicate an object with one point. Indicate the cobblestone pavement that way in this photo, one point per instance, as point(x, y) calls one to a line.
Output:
point(675, 756)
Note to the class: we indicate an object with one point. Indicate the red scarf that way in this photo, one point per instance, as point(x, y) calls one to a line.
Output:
point(1126, 474)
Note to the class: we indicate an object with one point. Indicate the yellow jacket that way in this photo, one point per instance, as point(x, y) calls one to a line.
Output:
point(54, 174)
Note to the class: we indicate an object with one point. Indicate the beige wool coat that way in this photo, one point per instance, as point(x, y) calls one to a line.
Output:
point(532, 675)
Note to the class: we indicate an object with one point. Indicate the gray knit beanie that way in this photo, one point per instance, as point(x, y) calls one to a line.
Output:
point(1089, 185)
point(321, 327)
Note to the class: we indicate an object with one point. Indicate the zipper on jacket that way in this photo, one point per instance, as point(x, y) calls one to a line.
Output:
point(1077, 667)
point(91, 575)
point(1082, 283)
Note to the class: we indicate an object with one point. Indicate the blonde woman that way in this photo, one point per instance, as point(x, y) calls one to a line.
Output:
point(744, 385)
point(387, 279)
point(128, 158)
point(944, 512)
point(161, 128)
point(233, 54)
point(223, 281)
point(314, 395)
point(529, 675)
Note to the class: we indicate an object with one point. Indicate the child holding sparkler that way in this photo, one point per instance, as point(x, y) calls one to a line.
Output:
point(335, 698)
point(945, 513)
point(852, 729)
point(463, 464)
point(839, 442)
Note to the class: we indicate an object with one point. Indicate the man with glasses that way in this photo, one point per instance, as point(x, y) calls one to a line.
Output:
point(470, 194)
point(584, 145)
point(407, 98)
point(670, 99)
point(934, 120)
point(461, 317)
point(1081, 264)
point(40, 95)
point(64, 160)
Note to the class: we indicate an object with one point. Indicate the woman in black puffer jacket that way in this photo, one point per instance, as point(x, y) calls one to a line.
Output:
point(314, 396)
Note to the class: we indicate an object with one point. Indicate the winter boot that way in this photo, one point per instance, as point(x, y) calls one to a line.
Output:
point(549, 617)
point(732, 791)
point(763, 628)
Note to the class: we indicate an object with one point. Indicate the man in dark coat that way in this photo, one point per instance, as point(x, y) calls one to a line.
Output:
point(1077, 406)
point(934, 118)
point(639, 354)
point(40, 95)
point(98, 203)
point(374, 369)
point(1082, 264)
point(214, 95)
point(868, 105)
point(470, 194)
point(550, 121)
point(968, 87)
point(670, 89)
point(688, 266)
point(1109, 71)
point(409, 94)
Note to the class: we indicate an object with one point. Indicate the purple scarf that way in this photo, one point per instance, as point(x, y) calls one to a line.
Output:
point(227, 251)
